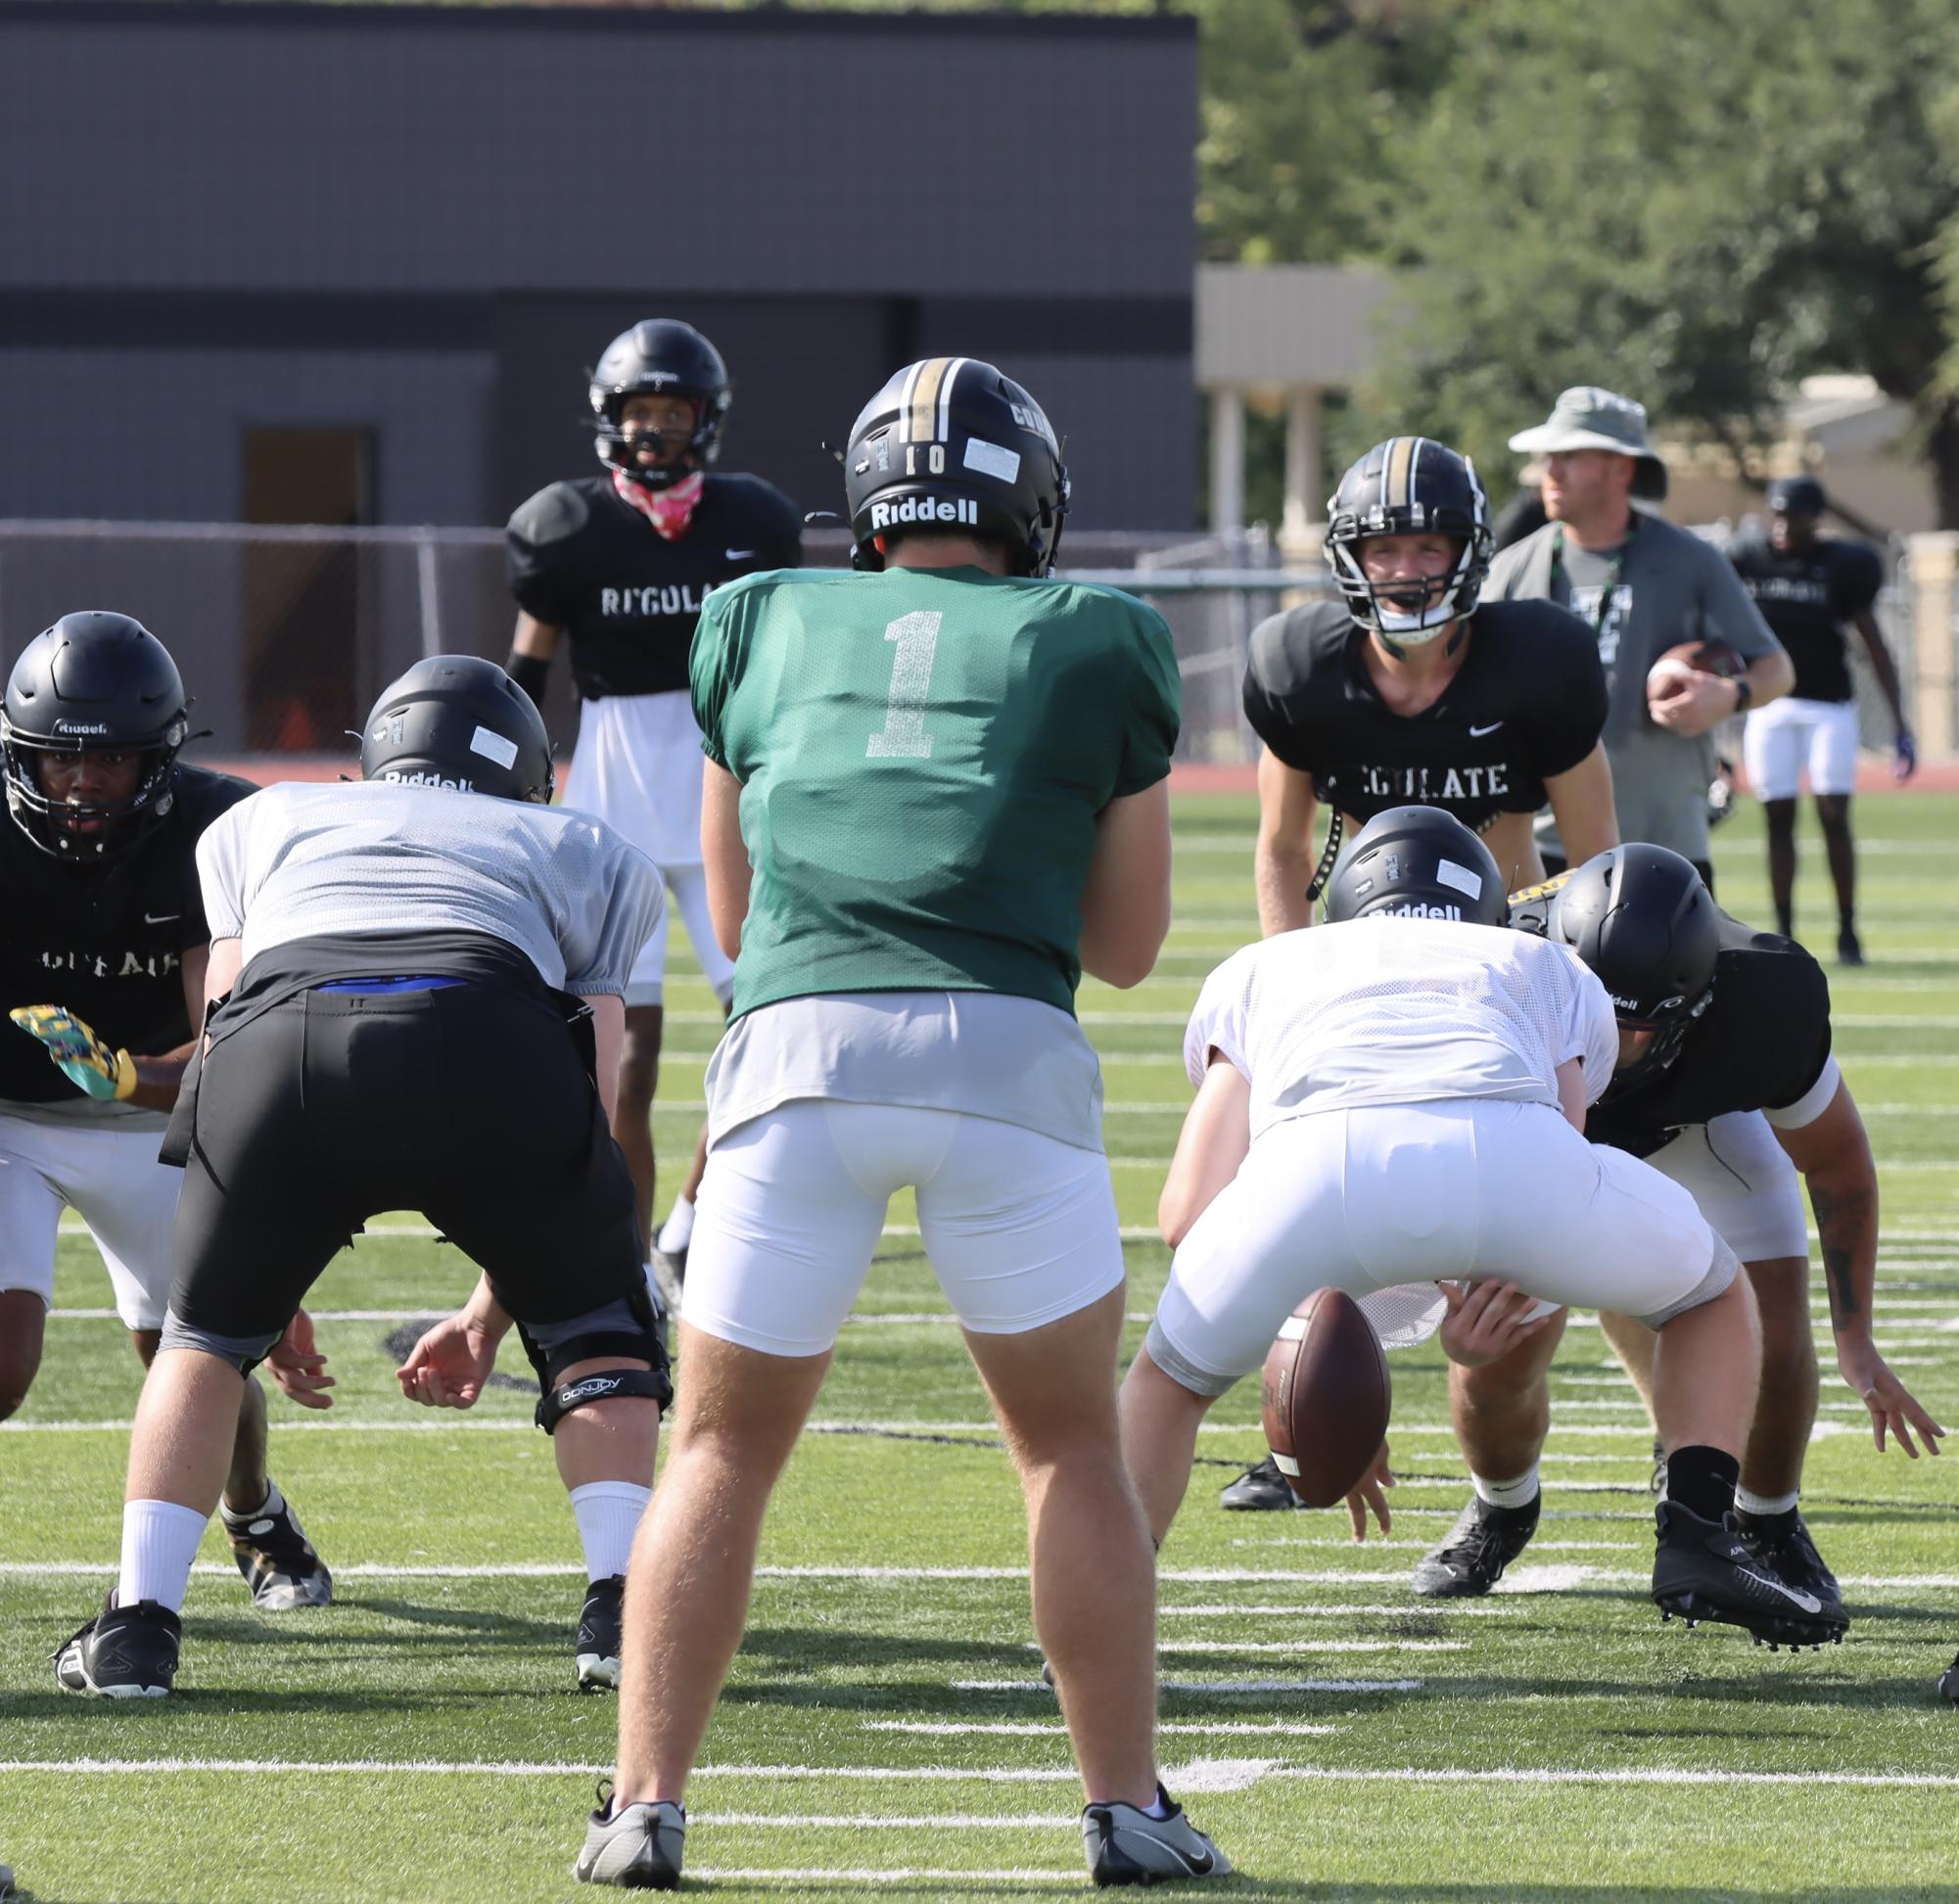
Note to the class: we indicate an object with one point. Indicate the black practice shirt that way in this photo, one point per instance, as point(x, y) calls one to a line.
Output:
point(1807, 599)
point(583, 560)
point(1761, 1044)
point(105, 941)
point(1529, 703)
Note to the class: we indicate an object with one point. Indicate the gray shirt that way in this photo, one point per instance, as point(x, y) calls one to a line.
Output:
point(1669, 587)
point(371, 857)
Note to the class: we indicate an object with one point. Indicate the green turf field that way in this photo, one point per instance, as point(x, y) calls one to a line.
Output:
point(884, 1735)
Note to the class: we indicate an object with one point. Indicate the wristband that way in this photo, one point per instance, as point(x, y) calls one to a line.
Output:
point(125, 1077)
point(1745, 694)
point(530, 673)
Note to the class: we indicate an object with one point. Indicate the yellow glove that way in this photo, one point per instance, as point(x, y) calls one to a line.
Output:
point(88, 1062)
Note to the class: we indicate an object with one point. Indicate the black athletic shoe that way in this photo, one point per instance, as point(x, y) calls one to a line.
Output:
point(1260, 1490)
point(1782, 1544)
point(599, 1635)
point(1126, 1845)
point(1850, 949)
point(125, 1652)
point(277, 1560)
point(639, 1849)
point(1703, 1571)
point(1473, 1553)
point(1948, 1681)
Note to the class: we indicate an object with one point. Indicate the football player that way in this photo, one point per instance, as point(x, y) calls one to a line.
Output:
point(1726, 1085)
point(618, 563)
point(394, 963)
point(1406, 1094)
point(919, 832)
point(1412, 688)
point(103, 952)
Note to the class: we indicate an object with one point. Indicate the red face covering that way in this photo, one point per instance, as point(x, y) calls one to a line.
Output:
point(669, 510)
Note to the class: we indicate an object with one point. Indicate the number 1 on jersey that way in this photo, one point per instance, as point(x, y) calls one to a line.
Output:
point(903, 736)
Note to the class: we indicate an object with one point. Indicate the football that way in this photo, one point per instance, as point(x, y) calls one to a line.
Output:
point(1663, 678)
point(1325, 1397)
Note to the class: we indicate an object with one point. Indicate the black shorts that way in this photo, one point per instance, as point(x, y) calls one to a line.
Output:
point(470, 1104)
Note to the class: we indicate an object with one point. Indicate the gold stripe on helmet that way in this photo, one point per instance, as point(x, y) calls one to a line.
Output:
point(922, 420)
point(1395, 484)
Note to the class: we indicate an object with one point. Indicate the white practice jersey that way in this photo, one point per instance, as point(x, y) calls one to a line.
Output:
point(374, 856)
point(1401, 1011)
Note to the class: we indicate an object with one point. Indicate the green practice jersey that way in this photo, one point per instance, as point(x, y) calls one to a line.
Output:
point(923, 755)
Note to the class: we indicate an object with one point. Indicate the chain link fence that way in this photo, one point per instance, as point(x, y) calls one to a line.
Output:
point(286, 635)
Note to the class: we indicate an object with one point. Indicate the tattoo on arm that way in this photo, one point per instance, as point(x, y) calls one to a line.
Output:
point(1847, 1226)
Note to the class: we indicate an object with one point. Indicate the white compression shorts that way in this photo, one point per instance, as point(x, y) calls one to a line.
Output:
point(1744, 1183)
point(1373, 1199)
point(112, 1180)
point(1779, 741)
point(1020, 1227)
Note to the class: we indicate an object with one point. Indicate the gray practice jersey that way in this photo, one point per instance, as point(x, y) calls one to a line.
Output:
point(1671, 587)
point(372, 856)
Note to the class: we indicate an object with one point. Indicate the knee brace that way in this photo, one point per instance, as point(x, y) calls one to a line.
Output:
point(628, 1325)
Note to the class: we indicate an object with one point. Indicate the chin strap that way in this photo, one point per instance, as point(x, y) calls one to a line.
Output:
point(1327, 854)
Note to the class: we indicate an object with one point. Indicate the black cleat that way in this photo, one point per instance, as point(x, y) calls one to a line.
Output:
point(276, 1559)
point(637, 1848)
point(1703, 1571)
point(1948, 1682)
point(1126, 1845)
point(1473, 1553)
point(1782, 1544)
point(125, 1652)
point(1260, 1490)
point(599, 1635)
point(1850, 949)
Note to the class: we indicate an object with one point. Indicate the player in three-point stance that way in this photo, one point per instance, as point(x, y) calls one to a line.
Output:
point(919, 829)
point(1405, 1092)
point(618, 564)
point(103, 955)
point(1409, 688)
point(1726, 1085)
point(394, 965)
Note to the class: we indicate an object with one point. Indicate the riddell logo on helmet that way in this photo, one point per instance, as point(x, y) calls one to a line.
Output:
point(923, 510)
point(66, 727)
point(1415, 909)
point(422, 778)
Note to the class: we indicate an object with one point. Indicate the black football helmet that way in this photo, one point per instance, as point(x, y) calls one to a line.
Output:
point(950, 444)
point(1418, 862)
point(461, 723)
point(659, 357)
point(1409, 486)
point(95, 682)
point(1644, 920)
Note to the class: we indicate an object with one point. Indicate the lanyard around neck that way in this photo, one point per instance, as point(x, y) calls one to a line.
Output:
point(1612, 583)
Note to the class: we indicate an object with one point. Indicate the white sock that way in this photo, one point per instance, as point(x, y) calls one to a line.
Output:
point(608, 1514)
point(271, 1504)
point(1764, 1505)
point(677, 1232)
point(1519, 1493)
point(159, 1541)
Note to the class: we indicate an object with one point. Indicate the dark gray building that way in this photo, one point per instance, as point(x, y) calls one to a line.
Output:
point(343, 263)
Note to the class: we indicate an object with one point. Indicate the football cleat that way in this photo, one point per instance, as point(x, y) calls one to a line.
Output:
point(637, 1848)
point(1948, 1681)
point(1849, 947)
point(125, 1652)
point(599, 1635)
point(1472, 1553)
point(1703, 1571)
point(1260, 1490)
point(276, 1559)
point(1782, 1545)
point(1128, 1845)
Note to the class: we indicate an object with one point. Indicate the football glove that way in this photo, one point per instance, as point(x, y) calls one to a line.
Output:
point(89, 1063)
point(1907, 762)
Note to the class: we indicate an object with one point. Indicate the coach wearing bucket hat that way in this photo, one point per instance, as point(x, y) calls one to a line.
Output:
point(1642, 587)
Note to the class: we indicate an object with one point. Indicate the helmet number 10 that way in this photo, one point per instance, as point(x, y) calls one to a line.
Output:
point(903, 736)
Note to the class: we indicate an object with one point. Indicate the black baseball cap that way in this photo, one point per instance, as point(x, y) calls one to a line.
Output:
point(1797, 496)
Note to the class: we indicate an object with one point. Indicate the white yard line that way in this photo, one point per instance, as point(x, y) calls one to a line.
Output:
point(1220, 1686)
point(1055, 1728)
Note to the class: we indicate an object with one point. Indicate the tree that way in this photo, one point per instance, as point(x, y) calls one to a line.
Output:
point(1697, 204)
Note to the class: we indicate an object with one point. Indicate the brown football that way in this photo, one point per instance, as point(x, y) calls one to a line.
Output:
point(1691, 658)
point(1326, 1396)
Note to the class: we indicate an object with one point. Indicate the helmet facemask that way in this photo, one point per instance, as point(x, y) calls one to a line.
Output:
point(81, 830)
point(1409, 611)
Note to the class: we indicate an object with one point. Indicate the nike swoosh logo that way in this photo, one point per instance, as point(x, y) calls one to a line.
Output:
point(736, 555)
point(161, 919)
point(1808, 1603)
point(1189, 1858)
point(1476, 733)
